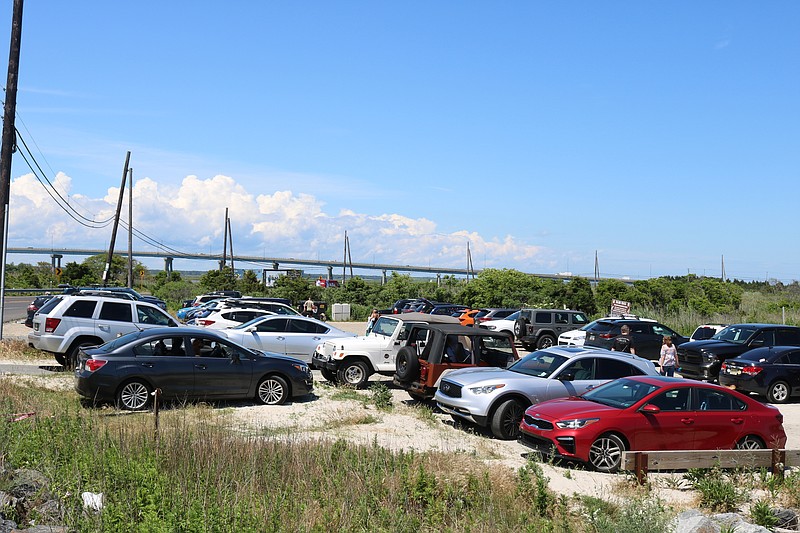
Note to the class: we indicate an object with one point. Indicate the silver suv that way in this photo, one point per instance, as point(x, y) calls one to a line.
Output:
point(497, 398)
point(68, 322)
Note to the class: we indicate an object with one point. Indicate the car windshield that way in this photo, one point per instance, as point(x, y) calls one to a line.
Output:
point(735, 334)
point(540, 364)
point(620, 393)
point(513, 316)
point(385, 326)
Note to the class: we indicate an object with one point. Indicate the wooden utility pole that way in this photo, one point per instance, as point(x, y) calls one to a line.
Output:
point(9, 143)
point(116, 219)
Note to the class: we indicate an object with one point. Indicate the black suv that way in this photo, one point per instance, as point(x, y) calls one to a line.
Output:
point(539, 328)
point(703, 359)
point(648, 335)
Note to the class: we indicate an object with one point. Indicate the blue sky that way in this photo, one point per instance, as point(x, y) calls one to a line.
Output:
point(664, 136)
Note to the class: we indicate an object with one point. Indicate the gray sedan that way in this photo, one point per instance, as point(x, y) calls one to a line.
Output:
point(497, 398)
point(295, 336)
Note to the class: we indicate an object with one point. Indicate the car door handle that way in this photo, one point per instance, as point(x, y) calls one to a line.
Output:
point(148, 365)
point(201, 367)
point(280, 338)
point(687, 421)
point(104, 328)
point(737, 420)
point(317, 338)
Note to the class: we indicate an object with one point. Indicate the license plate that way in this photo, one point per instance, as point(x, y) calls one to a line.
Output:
point(733, 371)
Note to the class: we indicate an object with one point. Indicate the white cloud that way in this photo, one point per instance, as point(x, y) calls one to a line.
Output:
point(190, 218)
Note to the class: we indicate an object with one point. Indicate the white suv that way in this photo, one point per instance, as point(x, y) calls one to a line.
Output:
point(68, 322)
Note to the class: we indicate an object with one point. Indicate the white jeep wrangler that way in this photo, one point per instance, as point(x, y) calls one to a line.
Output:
point(352, 360)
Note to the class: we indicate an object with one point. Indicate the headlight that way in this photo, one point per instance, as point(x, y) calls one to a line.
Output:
point(709, 356)
point(301, 368)
point(576, 423)
point(487, 389)
point(491, 328)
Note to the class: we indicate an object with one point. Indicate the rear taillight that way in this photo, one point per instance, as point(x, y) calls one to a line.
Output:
point(751, 370)
point(95, 364)
point(50, 324)
point(606, 336)
point(32, 307)
point(203, 322)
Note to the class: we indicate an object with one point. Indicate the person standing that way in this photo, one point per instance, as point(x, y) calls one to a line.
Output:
point(669, 357)
point(373, 317)
point(624, 341)
point(308, 307)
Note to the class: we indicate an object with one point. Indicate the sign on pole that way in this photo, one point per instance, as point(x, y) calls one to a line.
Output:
point(620, 307)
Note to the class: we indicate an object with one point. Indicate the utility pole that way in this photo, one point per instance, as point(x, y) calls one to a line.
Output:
point(344, 260)
point(9, 143)
point(116, 219)
point(230, 240)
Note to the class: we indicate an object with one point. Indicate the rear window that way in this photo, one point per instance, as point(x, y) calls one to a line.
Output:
point(600, 327)
point(50, 304)
point(118, 312)
point(81, 309)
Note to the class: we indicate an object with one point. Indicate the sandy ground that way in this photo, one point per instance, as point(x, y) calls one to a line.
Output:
point(408, 425)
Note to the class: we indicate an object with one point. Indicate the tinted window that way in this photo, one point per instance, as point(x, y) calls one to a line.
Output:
point(118, 312)
point(717, 400)
point(580, 369)
point(304, 326)
point(672, 400)
point(544, 318)
point(793, 357)
point(767, 337)
point(614, 368)
point(241, 316)
point(641, 328)
point(703, 333)
point(579, 319)
point(660, 329)
point(601, 327)
point(159, 347)
point(788, 337)
point(273, 326)
point(149, 315)
point(80, 309)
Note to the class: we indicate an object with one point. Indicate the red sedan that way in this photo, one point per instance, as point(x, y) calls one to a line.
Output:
point(649, 413)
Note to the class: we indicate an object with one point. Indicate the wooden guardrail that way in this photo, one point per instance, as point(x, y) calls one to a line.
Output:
point(645, 461)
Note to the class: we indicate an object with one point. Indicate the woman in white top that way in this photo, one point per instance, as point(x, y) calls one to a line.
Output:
point(669, 357)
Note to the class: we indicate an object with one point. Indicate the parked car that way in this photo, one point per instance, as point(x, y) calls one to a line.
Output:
point(496, 398)
point(68, 289)
point(649, 413)
point(432, 350)
point(67, 322)
point(185, 313)
point(706, 331)
point(228, 318)
point(447, 309)
point(493, 313)
point(34, 306)
point(294, 336)
point(539, 328)
point(703, 359)
point(352, 361)
point(505, 325)
point(773, 372)
point(397, 307)
point(203, 298)
point(648, 335)
point(186, 363)
point(577, 337)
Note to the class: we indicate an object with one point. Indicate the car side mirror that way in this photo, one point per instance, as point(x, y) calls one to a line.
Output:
point(566, 376)
point(250, 329)
point(650, 409)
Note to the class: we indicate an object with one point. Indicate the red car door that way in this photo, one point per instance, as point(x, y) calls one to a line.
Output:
point(672, 428)
point(721, 419)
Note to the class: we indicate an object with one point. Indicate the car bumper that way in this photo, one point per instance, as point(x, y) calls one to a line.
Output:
point(698, 372)
point(462, 410)
point(46, 343)
point(323, 361)
point(744, 385)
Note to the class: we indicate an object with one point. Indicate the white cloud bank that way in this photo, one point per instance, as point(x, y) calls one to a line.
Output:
point(190, 218)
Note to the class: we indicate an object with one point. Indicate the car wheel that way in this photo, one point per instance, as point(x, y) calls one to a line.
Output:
point(61, 360)
point(506, 420)
point(272, 390)
point(605, 453)
point(133, 395)
point(528, 347)
point(778, 392)
point(72, 356)
point(406, 363)
point(353, 373)
point(520, 328)
point(545, 341)
point(329, 375)
point(750, 442)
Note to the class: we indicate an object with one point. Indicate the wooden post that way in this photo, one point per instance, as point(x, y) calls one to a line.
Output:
point(156, 395)
point(778, 462)
point(640, 464)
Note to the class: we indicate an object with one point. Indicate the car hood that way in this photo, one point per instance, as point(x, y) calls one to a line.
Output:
point(715, 346)
point(468, 376)
point(566, 408)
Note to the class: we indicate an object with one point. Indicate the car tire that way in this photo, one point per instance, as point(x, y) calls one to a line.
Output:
point(272, 390)
point(520, 328)
point(545, 341)
point(61, 360)
point(750, 442)
point(406, 363)
point(506, 419)
point(418, 397)
point(329, 375)
point(605, 453)
point(353, 373)
point(778, 392)
point(72, 356)
point(134, 395)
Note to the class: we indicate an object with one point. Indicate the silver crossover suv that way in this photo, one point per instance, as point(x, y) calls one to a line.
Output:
point(497, 398)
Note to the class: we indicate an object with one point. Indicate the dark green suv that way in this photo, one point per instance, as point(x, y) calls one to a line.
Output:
point(539, 328)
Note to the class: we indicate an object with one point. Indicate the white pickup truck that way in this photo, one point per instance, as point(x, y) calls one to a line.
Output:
point(352, 360)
